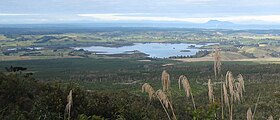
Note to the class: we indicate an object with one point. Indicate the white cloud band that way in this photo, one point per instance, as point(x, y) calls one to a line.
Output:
point(237, 19)
point(13, 14)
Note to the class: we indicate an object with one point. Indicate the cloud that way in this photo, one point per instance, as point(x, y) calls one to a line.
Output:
point(199, 11)
point(250, 18)
point(130, 17)
point(135, 17)
point(13, 14)
point(139, 17)
point(130, 6)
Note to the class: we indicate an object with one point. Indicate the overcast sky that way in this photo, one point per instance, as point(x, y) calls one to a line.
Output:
point(68, 11)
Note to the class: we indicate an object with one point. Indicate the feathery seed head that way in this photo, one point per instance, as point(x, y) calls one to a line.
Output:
point(186, 85)
point(180, 79)
point(226, 100)
point(149, 89)
point(69, 104)
point(165, 78)
point(217, 61)
point(249, 114)
point(241, 81)
point(230, 81)
point(210, 91)
point(163, 97)
point(270, 117)
point(237, 97)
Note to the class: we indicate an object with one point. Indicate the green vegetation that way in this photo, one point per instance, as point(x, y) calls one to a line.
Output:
point(26, 98)
point(126, 76)
point(109, 86)
point(126, 36)
point(59, 43)
point(122, 96)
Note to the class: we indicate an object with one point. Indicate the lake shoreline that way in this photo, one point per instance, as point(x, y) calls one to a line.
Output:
point(153, 49)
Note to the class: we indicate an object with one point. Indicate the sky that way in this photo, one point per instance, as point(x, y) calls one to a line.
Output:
point(197, 11)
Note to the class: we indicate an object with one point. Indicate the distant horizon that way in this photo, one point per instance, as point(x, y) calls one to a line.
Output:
point(195, 11)
point(128, 22)
point(119, 18)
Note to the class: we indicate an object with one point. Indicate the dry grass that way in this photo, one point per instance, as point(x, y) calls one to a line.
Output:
point(217, 61)
point(163, 98)
point(232, 93)
point(186, 85)
point(270, 117)
point(241, 85)
point(149, 89)
point(232, 88)
point(165, 103)
point(226, 100)
point(241, 81)
point(165, 78)
point(236, 89)
point(238, 92)
point(69, 105)
point(210, 91)
point(256, 105)
point(230, 83)
point(249, 114)
point(237, 97)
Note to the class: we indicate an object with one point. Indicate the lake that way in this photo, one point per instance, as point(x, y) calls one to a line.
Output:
point(154, 50)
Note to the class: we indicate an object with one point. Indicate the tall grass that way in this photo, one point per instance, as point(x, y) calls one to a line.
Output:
point(217, 61)
point(165, 78)
point(270, 117)
point(226, 99)
point(164, 100)
point(187, 87)
point(249, 114)
point(217, 72)
point(232, 91)
point(235, 94)
point(149, 89)
point(256, 105)
point(69, 105)
point(161, 96)
point(210, 91)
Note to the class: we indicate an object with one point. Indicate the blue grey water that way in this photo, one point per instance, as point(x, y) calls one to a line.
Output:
point(158, 50)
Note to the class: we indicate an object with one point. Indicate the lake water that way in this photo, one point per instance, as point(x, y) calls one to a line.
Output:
point(159, 50)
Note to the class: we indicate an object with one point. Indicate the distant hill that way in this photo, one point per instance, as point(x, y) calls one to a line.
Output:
point(211, 24)
point(218, 24)
point(215, 22)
